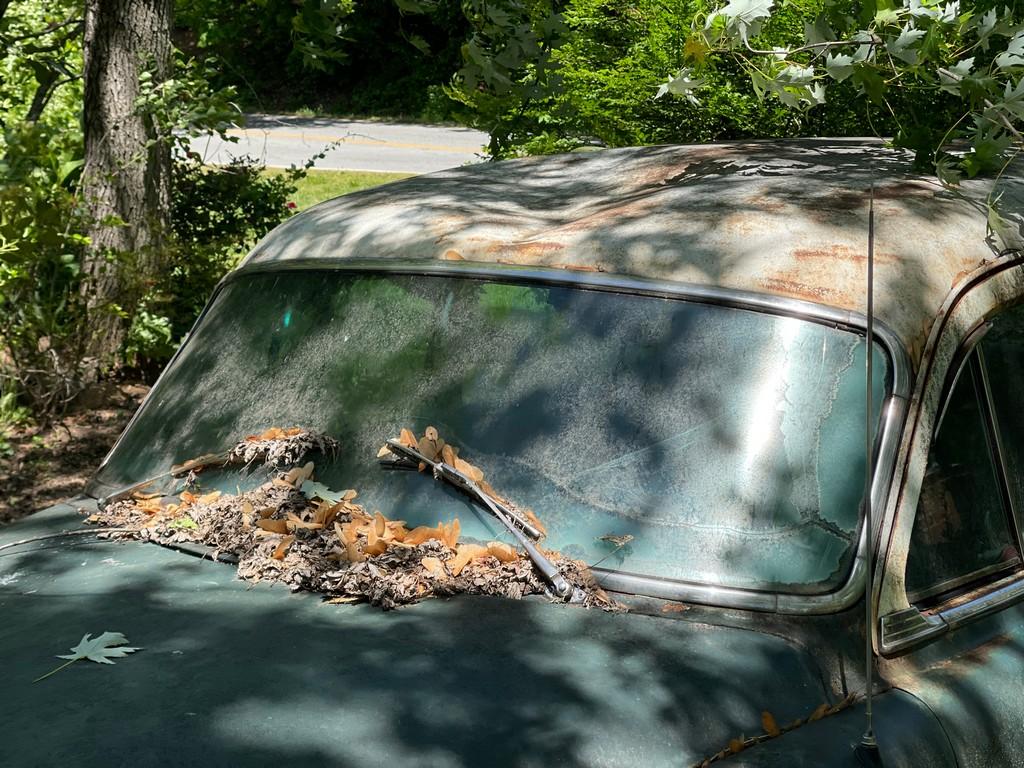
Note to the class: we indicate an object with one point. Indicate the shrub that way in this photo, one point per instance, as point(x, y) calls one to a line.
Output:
point(217, 215)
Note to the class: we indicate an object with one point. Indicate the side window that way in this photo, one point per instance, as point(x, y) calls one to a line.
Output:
point(1002, 350)
point(963, 529)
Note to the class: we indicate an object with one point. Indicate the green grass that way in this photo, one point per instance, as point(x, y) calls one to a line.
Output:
point(323, 185)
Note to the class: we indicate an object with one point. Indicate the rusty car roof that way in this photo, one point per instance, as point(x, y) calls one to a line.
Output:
point(783, 218)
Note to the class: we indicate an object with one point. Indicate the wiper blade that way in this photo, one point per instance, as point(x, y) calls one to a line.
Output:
point(519, 527)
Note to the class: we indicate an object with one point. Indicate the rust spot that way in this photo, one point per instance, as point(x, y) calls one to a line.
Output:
point(842, 253)
point(848, 199)
point(525, 252)
point(981, 653)
point(581, 267)
point(797, 289)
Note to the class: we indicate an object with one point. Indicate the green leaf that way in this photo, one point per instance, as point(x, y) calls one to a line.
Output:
point(870, 82)
point(681, 84)
point(742, 17)
point(818, 32)
point(1013, 56)
point(951, 77)
point(886, 16)
point(839, 66)
point(902, 46)
point(948, 171)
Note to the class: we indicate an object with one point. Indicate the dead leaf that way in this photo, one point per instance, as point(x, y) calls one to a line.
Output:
point(503, 552)
point(535, 522)
point(818, 713)
point(769, 724)
point(209, 498)
point(408, 439)
point(273, 526)
point(299, 475)
point(282, 548)
point(433, 565)
point(466, 553)
point(378, 547)
point(736, 746)
point(473, 473)
point(448, 455)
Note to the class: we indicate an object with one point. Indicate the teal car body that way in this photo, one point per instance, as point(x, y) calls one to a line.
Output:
point(666, 343)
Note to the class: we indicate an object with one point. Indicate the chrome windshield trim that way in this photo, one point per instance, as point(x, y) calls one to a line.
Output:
point(894, 409)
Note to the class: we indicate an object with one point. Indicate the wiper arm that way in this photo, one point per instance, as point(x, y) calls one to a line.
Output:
point(520, 528)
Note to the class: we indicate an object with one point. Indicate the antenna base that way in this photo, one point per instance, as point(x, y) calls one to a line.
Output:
point(867, 753)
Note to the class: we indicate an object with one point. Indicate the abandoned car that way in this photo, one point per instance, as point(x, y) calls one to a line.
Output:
point(650, 368)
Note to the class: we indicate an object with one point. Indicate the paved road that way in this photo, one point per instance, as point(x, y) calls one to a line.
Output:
point(282, 141)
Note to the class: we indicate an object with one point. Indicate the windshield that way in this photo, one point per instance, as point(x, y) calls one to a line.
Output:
point(727, 443)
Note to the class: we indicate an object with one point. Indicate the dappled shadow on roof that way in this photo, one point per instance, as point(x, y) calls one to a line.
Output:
point(788, 218)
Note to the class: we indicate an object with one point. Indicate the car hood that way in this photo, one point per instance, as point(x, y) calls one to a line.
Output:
point(235, 674)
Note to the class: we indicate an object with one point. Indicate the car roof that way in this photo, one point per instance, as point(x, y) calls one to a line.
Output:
point(782, 218)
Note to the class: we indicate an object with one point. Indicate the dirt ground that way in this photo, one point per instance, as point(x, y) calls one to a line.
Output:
point(45, 466)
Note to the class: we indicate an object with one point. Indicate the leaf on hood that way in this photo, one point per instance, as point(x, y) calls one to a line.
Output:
point(101, 649)
point(769, 724)
point(818, 713)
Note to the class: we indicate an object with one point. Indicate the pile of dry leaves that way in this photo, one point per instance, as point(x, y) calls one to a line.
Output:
point(297, 531)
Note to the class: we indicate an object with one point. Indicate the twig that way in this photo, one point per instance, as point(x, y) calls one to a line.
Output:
point(60, 535)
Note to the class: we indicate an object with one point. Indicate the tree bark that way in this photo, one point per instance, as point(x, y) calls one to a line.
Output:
point(126, 178)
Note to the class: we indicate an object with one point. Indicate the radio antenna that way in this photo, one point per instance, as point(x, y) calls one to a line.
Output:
point(867, 741)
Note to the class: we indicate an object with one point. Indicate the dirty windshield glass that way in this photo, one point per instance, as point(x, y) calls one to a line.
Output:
point(660, 437)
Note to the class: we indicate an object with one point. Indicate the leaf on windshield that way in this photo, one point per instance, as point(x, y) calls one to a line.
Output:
point(300, 532)
point(101, 649)
point(535, 522)
point(274, 433)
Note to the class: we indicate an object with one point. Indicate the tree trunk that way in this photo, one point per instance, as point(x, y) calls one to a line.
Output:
point(126, 179)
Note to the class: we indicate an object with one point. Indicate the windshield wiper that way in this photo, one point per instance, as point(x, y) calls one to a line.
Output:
point(519, 527)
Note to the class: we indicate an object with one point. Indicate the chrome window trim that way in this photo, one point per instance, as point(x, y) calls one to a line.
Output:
point(894, 409)
point(907, 629)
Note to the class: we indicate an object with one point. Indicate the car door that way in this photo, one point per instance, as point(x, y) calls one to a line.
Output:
point(964, 576)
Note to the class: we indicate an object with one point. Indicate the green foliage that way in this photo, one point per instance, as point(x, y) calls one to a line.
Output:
point(40, 59)
point(942, 71)
point(186, 104)
point(217, 214)
point(42, 313)
point(375, 57)
point(606, 70)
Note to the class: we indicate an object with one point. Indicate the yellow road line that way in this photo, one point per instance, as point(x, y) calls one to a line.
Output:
point(358, 140)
